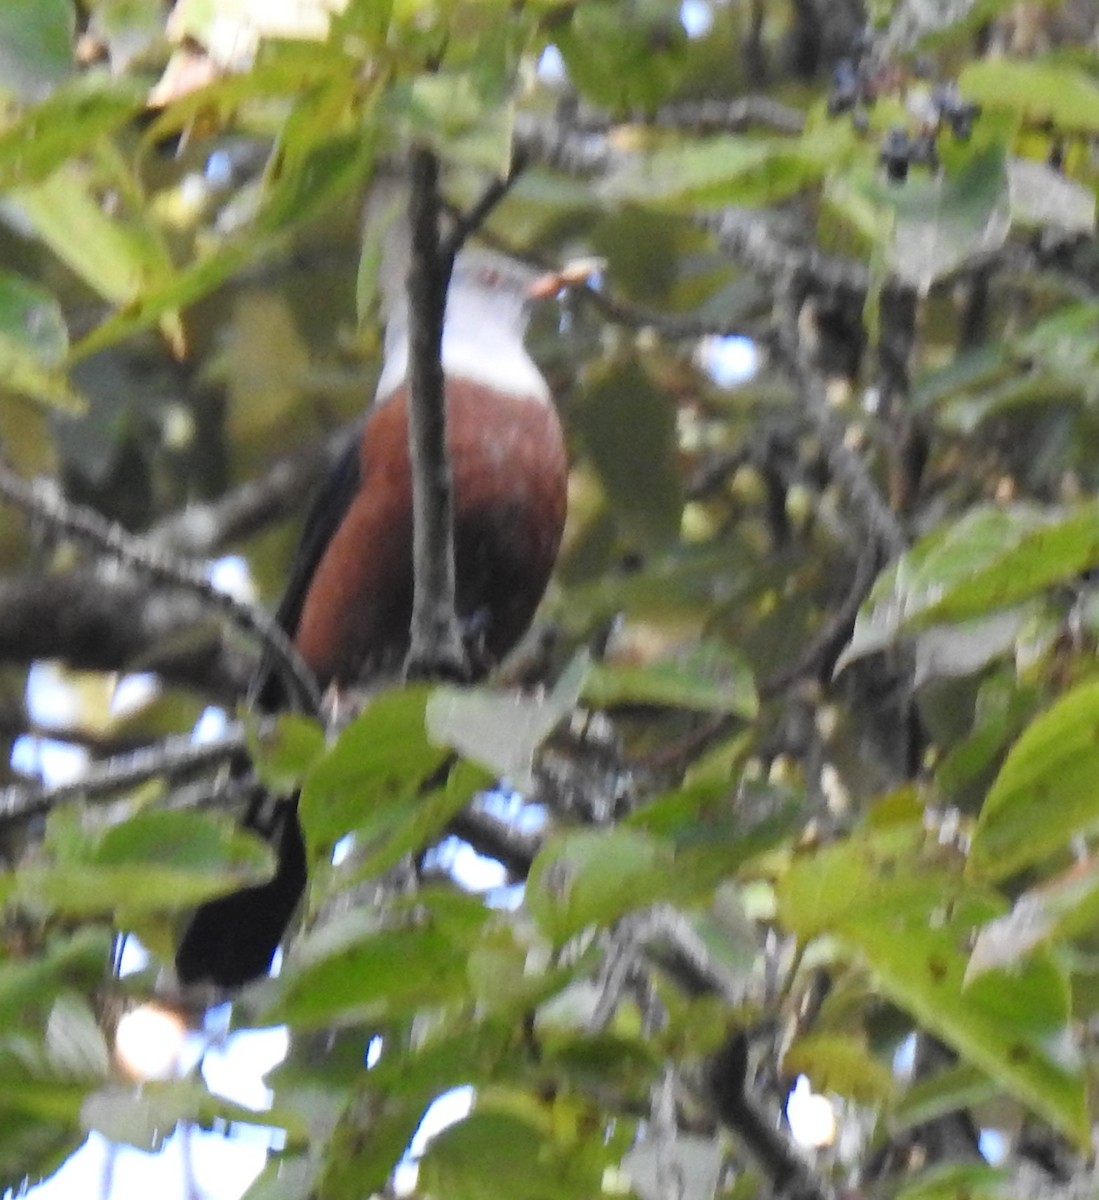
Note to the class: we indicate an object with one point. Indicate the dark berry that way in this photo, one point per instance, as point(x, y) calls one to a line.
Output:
point(896, 154)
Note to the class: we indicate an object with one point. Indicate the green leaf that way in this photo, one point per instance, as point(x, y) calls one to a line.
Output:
point(151, 862)
point(842, 1065)
point(303, 186)
point(32, 984)
point(32, 1148)
point(584, 877)
point(75, 1045)
point(730, 169)
point(1047, 791)
point(886, 871)
point(1063, 345)
point(1011, 1026)
point(31, 317)
point(46, 1099)
point(993, 557)
point(65, 126)
point(356, 969)
point(1070, 902)
point(498, 1154)
point(933, 224)
point(1041, 197)
point(955, 1088)
point(368, 1140)
point(502, 730)
point(712, 836)
point(117, 258)
point(459, 122)
point(283, 754)
point(622, 58)
point(186, 287)
point(912, 924)
point(146, 1117)
point(954, 1181)
point(23, 376)
point(709, 677)
point(414, 822)
point(36, 45)
point(312, 170)
point(1035, 92)
point(33, 343)
point(628, 427)
point(376, 767)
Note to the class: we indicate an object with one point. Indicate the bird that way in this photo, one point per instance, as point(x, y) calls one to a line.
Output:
point(347, 604)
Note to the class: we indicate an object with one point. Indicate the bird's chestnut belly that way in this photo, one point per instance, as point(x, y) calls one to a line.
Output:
point(510, 473)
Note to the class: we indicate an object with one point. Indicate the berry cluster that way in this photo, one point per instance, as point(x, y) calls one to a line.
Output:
point(950, 108)
point(858, 82)
point(901, 150)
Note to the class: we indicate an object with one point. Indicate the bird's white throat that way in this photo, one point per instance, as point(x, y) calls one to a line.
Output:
point(482, 338)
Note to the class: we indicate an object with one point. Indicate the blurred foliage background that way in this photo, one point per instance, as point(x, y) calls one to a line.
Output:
point(805, 738)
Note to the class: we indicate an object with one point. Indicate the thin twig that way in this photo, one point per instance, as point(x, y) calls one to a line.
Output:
point(468, 223)
point(726, 1079)
point(171, 757)
point(206, 529)
point(672, 327)
point(819, 657)
point(41, 500)
point(704, 116)
point(849, 470)
point(846, 467)
point(497, 839)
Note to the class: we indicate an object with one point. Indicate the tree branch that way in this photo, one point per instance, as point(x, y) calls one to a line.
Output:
point(726, 1080)
point(468, 223)
point(847, 468)
point(96, 620)
point(203, 530)
point(172, 757)
point(41, 500)
point(497, 839)
point(435, 640)
point(703, 116)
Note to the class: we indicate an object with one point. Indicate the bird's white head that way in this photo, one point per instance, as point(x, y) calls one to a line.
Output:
point(485, 320)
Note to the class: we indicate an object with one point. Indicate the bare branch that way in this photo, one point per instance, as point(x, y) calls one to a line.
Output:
point(435, 638)
point(554, 143)
point(819, 657)
point(726, 1079)
point(41, 500)
point(497, 839)
point(704, 116)
point(847, 468)
point(172, 758)
point(204, 530)
point(672, 327)
point(470, 222)
point(108, 620)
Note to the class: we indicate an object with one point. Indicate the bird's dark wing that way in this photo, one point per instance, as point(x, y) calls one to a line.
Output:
point(231, 940)
point(326, 513)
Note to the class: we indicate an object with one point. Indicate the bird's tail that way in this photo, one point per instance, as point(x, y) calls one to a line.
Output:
point(232, 940)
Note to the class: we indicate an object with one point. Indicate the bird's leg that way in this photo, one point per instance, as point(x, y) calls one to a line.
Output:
point(338, 706)
point(475, 630)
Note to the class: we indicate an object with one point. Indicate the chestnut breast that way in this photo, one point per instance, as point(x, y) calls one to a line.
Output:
point(510, 473)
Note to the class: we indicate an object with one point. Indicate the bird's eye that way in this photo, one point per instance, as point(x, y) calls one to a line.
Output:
point(490, 277)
